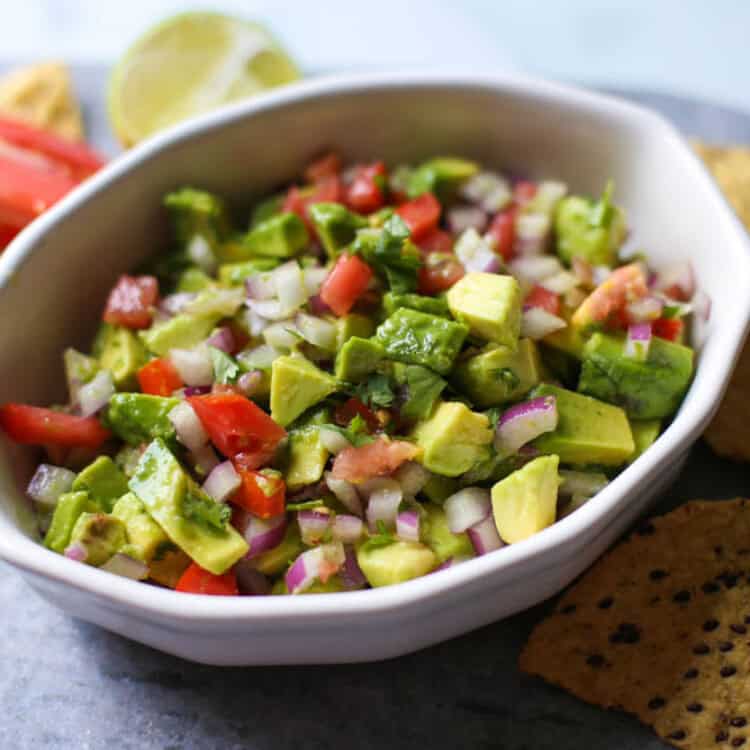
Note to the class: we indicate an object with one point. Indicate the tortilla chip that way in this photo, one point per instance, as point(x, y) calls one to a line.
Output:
point(42, 95)
point(660, 628)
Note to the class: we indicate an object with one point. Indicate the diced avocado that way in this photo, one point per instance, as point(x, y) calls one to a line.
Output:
point(431, 305)
point(645, 432)
point(442, 175)
point(357, 358)
point(145, 537)
point(183, 331)
point(499, 374)
point(100, 535)
point(167, 568)
point(67, 511)
point(280, 236)
point(79, 369)
point(650, 389)
point(120, 351)
point(379, 217)
point(395, 563)
point(420, 339)
point(103, 480)
point(193, 280)
point(440, 539)
point(297, 384)
point(559, 365)
point(420, 389)
point(139, 417)
point(307, 458)
point(453, 439)
point(588, 431)
point(353, 324)
point(568, 340)
point(276, 560)
point(438, 489)
point(163, 486)
point(198, 212)
point(490, 304)
point(235, 274)
point(336, 225)
point(526, 501)
point(266, 209)
point(591, 230)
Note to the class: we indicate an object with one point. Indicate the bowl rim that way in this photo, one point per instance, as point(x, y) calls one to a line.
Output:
point(537, 552)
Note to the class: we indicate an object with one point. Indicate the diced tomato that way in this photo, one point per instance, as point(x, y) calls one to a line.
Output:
point(346, 282)
point(503, 232)
point(131, 300)
point(437, 241)
point(372, 460)
point(159, 378)
point(196, 580)
point(524, 191)
point(33, 425)
point(328, 165)
point(263, 493)
point(365, 194)
point(541, 297)
point(439, 272)
point(325, 190)
point(236, 425)
point(667, 328)
point(353, 407)
point(421, 215)
point(623, 285)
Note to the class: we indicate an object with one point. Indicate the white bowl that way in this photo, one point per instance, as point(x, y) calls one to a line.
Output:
point(55, 276)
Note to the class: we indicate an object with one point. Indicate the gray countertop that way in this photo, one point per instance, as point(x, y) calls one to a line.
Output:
point(66, 684)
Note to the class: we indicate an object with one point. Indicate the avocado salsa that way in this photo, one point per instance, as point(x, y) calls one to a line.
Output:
point(379, 374)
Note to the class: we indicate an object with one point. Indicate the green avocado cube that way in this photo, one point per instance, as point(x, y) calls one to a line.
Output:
point(266, 208)
point(420, 339)
point(120, 351)
point(183, 331)
point(139, 417)
point(69, 508)
point(280, 236)
point(588, 431)
point(146, 539)
point(490, 304)
point(395, 563)
point(420, 389)
point(307, 458)
point(336, 225)
point(235, 274)
point(297, 384)
point(279, 558)
point(103, 480)
point(353, 324)
point(438, 489)
point(357, 358)
point(650, 389)
point(198, 213)
point(499, 374)
point(442, 175)
point(163, 487)
point(193, 280)
point(453, 439)
point(100, 535)
point(440, 539)
point(430, 305)
point(645, 432)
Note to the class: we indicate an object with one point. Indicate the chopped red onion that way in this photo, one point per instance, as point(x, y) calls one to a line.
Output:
point(345, 492)
point(489, 190)
point(466, 508)
point(523, 422)
point(223, 339)
point(173, 304)
point(561, 282)
point(475, 254)
point(407, 525)
point(645, 309)
point(204, 459)
point(333, 441)
point(536, 323)
point(484, 536)
point(282, 335)
point(638, 341)
point(250, 581)
point(76, 552)
point(95, 395)
point(317, 306)
point(385, 497)
point(260, 286)
point(313, 524)
point(314, 277)
point(255, 323)
point(126, 566)
point(250, 382)
point(317, 331)
point(412, 477)
point(48, 483)
point(263, 534)
point(259, 358)
point(347, 529)
point(461, 218)
point(586, 483)
point(351, 574)
point(222, 482)
point(187, 425)
point(318, 563)
point(533, 269)
point(194, 366)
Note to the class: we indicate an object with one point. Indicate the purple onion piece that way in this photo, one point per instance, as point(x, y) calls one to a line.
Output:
point(223, 339)
point(407, 525)
point(638, 341)
point(263, 534)
point(351, 574)
point(484, 536)
point(313, 525)
point(196, 390)
point(250, 581)
point(523, 423)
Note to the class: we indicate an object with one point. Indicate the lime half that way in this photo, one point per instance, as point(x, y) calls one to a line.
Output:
point(188, 64)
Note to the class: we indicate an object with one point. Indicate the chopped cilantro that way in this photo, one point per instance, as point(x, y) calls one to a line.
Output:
point(603, 211)
point(304, 505)
point(356, 431)
point(382, 539)
point(199, 507)
point(226, 369)
point(376, 391)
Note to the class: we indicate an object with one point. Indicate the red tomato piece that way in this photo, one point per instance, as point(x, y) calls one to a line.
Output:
point(345, 283)
point(353, 407)
point(7, 233)
point(524, 191)
point(131, 300)
point(365, 194)
point(439, 272)
point(325, 190)
point(667, 328)
point(33, 425)
point(263, 493)
point(236, 425)
point(159, 378)
point(421, 215)
point(372, 460)
point(328, 165)
point(437, 241)
point(541, 297)
point(196, 580)
point(503, 232)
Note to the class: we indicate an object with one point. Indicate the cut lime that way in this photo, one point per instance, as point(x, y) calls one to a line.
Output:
point(188, 64)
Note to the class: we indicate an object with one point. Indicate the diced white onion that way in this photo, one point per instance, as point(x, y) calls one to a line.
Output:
point(317, 331)
point(270, 309)
point(475, 254)
point(347, 529)
point(255, 323)
point(282, 335)
point(537, 323)
point(200, 253)
point(466, 508)
point(314, 278)
point(259, 358)
point(48, 483)
point(187, 425)
point(222, 482)
point(126, 566)
point(412, 477)
point(333, 441)
point(548, 195)
point(194, 366)
point(532, 232)
point(461, 218)
point(345, 492)
point(535, 268)
point(96, 393)
point(586, 483)
point(259, 286)
point(385, 495)
point(176, 303)
point(290, 286)
point(489, 190)
point(205, 459)
point(561, 282)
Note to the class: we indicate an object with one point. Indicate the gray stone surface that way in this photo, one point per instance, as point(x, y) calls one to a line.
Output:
point(66, 685)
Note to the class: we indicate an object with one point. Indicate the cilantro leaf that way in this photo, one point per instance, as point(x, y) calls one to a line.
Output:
point(199, 507)
point(392, 255)
point(376, 391)
point(226, 369)
point(603, 211)
point(382, 539)
point(356, 431)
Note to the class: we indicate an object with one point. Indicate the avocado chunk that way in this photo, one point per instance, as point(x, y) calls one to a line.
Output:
point(420, 339)
point(395, 563)
point(490, 304)
point(336, 225)
point(525, 502)
point(442, 175)
point(266, 208)
point(440, 539)
point(183, 512)
point(100, 535)
point(645, 432)
point(104, 482)
point(499, 374)
point(351, 325)
point(79, 370)
point(183, 331)
point(307, 458)
point(69, 508)
point(193, 280)
point(280, 236)
point(297, 384)
point(139, 417)
point(438, 489)
point(588, 431)
point(198, 213)
point(145, 537)
point(120, 351)
point(650, 389)
point(277, 560)
point(419, 389)
point(568, 340)
point(430, 305)
point(167, 568)
point(453, 439)
point(357, 358)
point(235, 274)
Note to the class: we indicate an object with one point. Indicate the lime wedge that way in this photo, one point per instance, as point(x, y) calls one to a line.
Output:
point(188, 64)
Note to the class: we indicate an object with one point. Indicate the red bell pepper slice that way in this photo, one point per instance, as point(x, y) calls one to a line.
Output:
point(263, 493)
point(33, 425)
point(541, 297)
point(421, 215)
point(159, 377)
point(196, 580)
point(131, 300)
point(345, 283)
